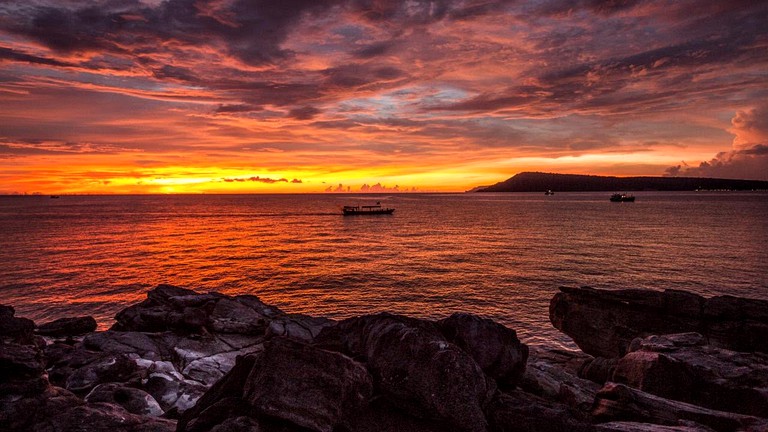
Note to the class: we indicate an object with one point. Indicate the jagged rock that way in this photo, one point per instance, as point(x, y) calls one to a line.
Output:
point(684, 368)
point(298, 327)
point(135, 401)
point(494, 347)
point(522, 412)
point(207, 359)
point(304, 385)
point(552, 374)
point(170, 308)
point(171, 389)
point(107, 368)
point(307, 386)
point(68, 327)
point(12, 329)
point(222, 400)
point(617, 402)
point(416, 368)
point(603, 323)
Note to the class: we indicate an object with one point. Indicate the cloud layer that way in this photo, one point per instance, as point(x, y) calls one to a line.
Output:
point(441, 94)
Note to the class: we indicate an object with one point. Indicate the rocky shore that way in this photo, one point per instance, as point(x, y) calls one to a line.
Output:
point(188, 361)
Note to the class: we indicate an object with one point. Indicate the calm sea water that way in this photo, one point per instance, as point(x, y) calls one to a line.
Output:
point(502, 256)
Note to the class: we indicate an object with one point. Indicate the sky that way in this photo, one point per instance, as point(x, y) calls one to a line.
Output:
point(302, 96)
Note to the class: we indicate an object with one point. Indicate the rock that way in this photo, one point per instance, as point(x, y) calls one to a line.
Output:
point(146, 345)
point(552, 375)
point(20, 412)
point(107, 368)
point(603, 323)
point(12, 329)
point(170, 308)
point(521, 412)
point(298, 327)
point(494, 347)
point(416, 368)
point(231, 316)
point(207, 359)
point(307, 386)
point(598, 369)
point(103, 417)
point(682, 367)
point(222, 400)
point(134, 400)
point(617, 402)
point(68, 327)
point(648, 427)
point(381, 416)
point(20, 362)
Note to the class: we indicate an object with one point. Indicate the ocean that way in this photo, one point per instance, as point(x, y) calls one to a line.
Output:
point(501, 256)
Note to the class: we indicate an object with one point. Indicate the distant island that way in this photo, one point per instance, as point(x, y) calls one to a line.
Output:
point(540, 182)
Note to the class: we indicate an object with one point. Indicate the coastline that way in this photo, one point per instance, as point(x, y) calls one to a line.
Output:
point(188, 361)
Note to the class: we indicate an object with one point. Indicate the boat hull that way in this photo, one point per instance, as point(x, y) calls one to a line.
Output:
point(368, 212)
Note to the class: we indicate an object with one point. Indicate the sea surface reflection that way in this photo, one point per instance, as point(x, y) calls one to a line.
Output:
point(502, 256)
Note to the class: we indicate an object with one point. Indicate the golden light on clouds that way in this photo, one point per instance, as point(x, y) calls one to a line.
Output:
point(235, 97)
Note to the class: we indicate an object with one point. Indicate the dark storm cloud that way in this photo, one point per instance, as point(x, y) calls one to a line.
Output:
point(13, 55)
point(600, 85)
point(603, 7)
point(251, 30)
point(304, 113)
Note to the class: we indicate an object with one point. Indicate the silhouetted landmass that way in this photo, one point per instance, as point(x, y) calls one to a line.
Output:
point(539, 182)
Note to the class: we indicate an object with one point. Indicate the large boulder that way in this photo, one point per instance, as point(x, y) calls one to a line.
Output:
point(307, 386)
point(295, 383)
point(170, 308)
point(494, 347)
point(73, 326)
point(682, 367)
point(416, 368)
point(603, 323)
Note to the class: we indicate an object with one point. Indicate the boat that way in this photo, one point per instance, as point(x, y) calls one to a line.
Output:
point(366, 210)
point(549, 192)
point(618, 197)
point(54, 196)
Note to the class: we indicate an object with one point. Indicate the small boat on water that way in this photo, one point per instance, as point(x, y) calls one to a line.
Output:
point(54, 196)
point(366, 210)
point(618, 197)
point(549, 192)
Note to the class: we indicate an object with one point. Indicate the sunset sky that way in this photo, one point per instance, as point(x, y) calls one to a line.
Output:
point(226, 96)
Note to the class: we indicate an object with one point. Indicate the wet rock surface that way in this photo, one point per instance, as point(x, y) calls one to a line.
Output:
point(188, 361)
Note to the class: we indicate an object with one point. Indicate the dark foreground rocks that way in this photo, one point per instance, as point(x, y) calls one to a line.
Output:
point(604, 323)
point(188, 361)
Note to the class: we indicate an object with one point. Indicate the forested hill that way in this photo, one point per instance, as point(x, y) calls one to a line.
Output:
point(540, 182)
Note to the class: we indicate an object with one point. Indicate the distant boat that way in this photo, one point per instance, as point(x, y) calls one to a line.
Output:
point(366, 210)
point(617, 197)
point(54, 196)
point(549, 192)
